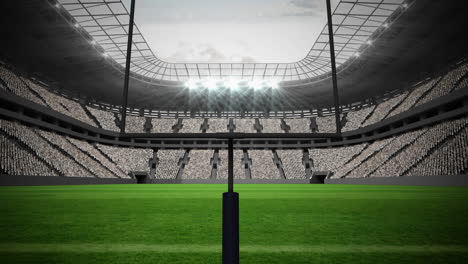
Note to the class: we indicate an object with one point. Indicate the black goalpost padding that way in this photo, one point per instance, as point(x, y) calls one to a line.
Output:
point(230, 228)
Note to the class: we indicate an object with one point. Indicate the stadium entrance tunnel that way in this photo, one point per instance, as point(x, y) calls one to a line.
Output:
point(141, 177)
point(318, 177)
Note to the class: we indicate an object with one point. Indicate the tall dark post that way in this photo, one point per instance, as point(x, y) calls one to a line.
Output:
point(333, 66)
point(230, 165)
point(230, 214)
point(127, 69)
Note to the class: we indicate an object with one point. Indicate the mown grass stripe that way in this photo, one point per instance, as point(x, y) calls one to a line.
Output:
point(186, 248)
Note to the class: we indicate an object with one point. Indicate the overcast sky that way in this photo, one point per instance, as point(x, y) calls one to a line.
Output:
point(230, 30)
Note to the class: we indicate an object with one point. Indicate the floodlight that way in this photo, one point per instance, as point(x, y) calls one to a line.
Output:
point(232, 84)
point(274, 84)
point(192, 84)
point(210, 83)
point(257, 84)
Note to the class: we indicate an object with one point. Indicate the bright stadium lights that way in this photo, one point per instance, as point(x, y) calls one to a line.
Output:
point(230, 83)
point(274, 84)
point(257, 84)
point(211, 84)
point(192, 84)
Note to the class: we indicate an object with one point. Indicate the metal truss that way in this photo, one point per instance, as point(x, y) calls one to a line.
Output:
point(356, 23)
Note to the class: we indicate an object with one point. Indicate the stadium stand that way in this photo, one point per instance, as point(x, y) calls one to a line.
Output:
point(32, 151)
point(218, 125)
point(99, 156)
point(16, 85)
point(106, 120)
point(381, 111)
point(162, 125)
point(19, 159)
point(168, 163)
point(326, 124)
point(239, 165)
point(271, 125)
point(262, 165)
point(292, 163)
point(356, 118)
point(244, 125)
point(127, 159)
point(434, 137)
point(330, 159)
point(59, 160)
point(395, 145)
point(135, 124)
point(445, 85)
point(199, 166)
point(300, 125)
point(191, 126)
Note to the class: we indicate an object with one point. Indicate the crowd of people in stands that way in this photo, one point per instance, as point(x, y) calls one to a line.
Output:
point(168, 163)
point(108, 120)
point(441, 149)
point(199, 164)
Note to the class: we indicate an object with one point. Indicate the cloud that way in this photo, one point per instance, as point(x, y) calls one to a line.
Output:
point(248, 60)
point(300, 14)
point(204, 53)
point(305, 3)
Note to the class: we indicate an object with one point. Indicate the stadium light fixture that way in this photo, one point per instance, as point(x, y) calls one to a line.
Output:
point(274, 84)
point(232, 84)
point(192, 84)
point(211, 84)
point(257, 84)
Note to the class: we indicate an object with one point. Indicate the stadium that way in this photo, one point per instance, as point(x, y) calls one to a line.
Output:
point(281, 131)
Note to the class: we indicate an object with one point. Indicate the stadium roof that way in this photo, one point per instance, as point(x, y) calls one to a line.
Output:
point(356, 26)
point(41, 40)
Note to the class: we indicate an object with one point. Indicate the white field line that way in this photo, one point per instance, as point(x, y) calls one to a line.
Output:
point(189, 248)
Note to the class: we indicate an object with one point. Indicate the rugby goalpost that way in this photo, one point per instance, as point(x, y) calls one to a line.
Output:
point(230, 210)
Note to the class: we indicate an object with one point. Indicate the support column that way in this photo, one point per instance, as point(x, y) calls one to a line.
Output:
point(127, 69)
point(230, 214)
point(333, 66)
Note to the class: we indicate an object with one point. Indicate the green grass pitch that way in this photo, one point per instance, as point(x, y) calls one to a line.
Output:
point(278, 224)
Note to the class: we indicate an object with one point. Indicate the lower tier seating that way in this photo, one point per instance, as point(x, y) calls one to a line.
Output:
point(441, 149)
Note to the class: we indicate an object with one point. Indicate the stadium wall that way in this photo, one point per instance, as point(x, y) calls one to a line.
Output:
point(8, 180)
point(236, 181)
point(444, 180)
